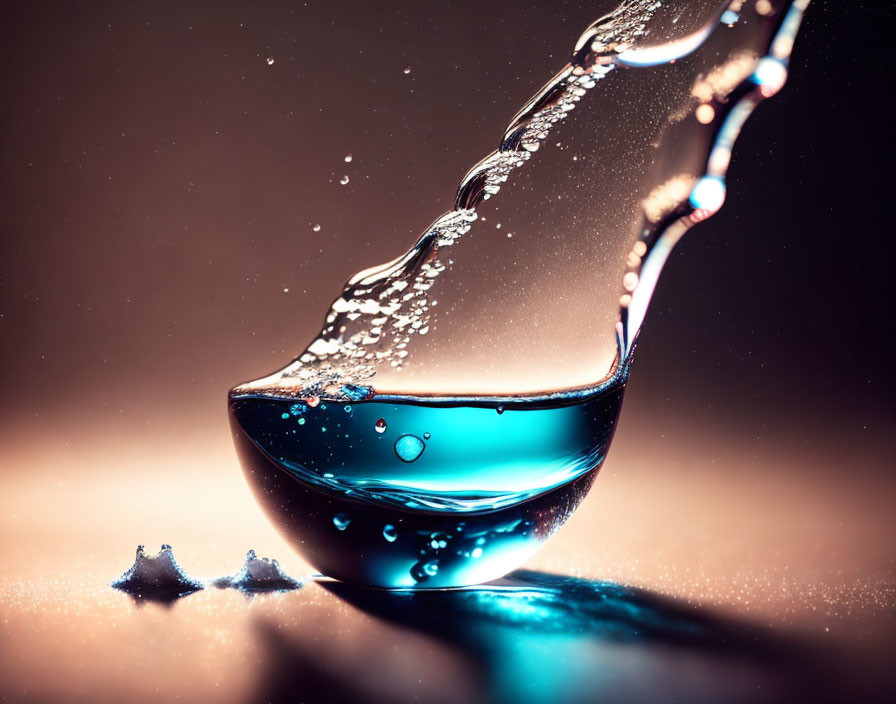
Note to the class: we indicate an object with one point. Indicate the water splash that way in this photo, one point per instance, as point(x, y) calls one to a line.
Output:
point(372, 329)
point(157, 575)
point(259, 575)
point(161, 577)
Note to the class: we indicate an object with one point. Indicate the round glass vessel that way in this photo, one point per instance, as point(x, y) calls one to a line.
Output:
point(421, 493)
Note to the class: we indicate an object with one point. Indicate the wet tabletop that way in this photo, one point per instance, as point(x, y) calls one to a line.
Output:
point(691, 572)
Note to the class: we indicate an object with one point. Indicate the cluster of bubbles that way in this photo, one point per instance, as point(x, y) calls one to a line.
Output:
point(441, 548)
point(407, 447)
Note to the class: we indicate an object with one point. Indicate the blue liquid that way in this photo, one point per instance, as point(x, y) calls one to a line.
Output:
point(448, 493)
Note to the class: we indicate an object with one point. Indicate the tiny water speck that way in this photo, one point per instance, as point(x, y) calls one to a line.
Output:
point(341, 521)
point(407, 70)
point(348, 158)
point(343, 180)
point(390, 533)
point(316, 228)
point(380, 425)
point(270, 60)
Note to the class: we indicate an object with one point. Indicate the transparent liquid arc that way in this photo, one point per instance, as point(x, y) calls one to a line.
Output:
point(396, 522)
point(333, 359)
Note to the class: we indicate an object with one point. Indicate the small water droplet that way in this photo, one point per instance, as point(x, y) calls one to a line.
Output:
point(284, 416)
point(500, 409)
point(316, 228)
point(341, 521)
point(380, 425)
point(426, 436)
point(431, 568)
point(343, 180)
point(348, 158)
point(390, 533)
point(313, 401)
point(409, 448)
point(407, 70)
point(348, 409)
point(301, 421)
point(477, 552)
point(270, 60)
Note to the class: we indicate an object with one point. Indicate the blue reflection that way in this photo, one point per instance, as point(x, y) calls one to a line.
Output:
point(544, 637)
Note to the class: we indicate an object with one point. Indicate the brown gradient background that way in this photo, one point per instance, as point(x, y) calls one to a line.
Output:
point(158, 185)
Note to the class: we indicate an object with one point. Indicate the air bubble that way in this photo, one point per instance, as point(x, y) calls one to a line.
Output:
point(409, 448)
point(424, 570)
point(390, 533)
point(437, 541)
point(344, 180)
point(341, 521)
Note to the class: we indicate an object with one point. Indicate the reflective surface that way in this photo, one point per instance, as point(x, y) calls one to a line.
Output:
point(725, 575)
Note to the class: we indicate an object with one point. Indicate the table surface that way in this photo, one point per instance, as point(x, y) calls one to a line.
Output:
point(726, 569)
